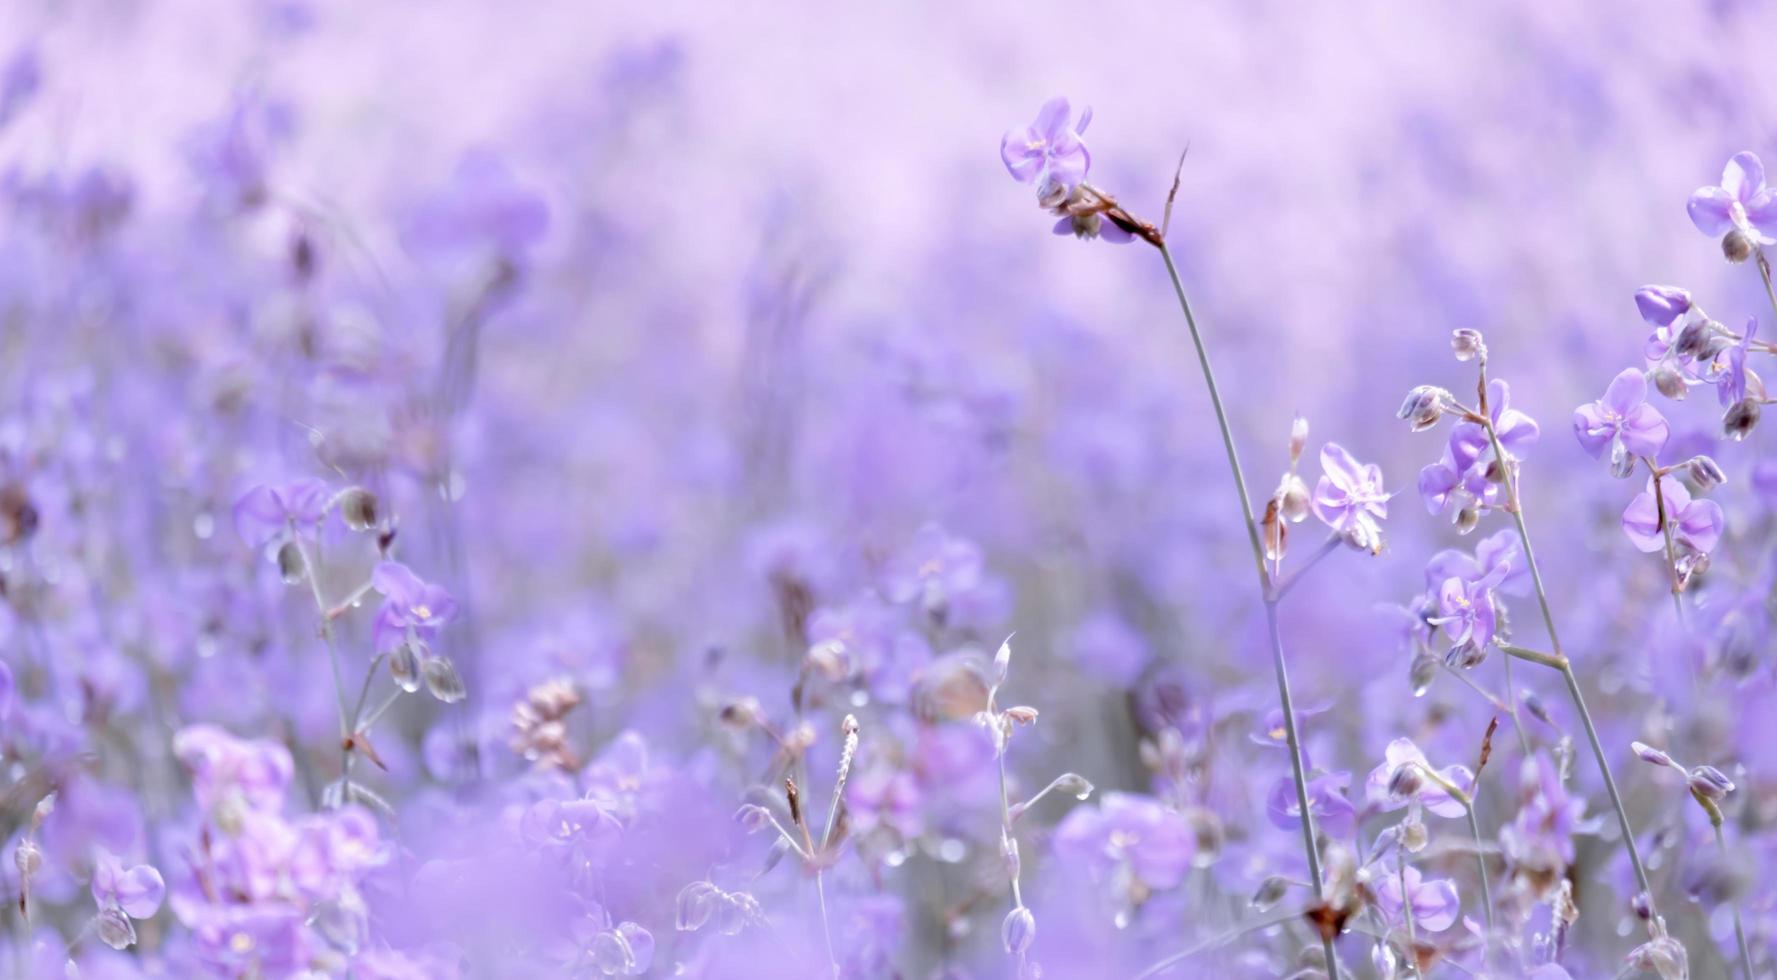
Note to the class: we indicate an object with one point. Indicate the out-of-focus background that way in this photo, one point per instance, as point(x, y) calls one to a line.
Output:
point(678, 339)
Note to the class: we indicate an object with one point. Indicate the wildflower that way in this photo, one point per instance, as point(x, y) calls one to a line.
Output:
point(1469, 616)
point(1350, 498)
point(1733, 381)
point(1696, 524)
point(1150, 842)
point(1499, 557)
point(412, 609)
point(1402, 757)
point(1624, 421)
point(268, 512)
point(123, 894)
point(1435, 903)
point(1333, 813)
point(1741, 203)
point(1049, 149)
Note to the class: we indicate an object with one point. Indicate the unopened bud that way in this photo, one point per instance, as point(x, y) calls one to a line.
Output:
point(1711, 783)
point(1466, 655)
point(1275, 532)
point(1405, 781)
point(358, 508)
point(1018, 931)
point(1705, 473)
point(1696, 338)
point(1423, 406)
point(1738, 423)
point(1414, 835)
point(1467, 345)
point(1467, 518)
point(290, 563)
point(442, 680)
point(1737, 246)
point(1292, 498)
point(1690, 565)
point(1533, 703)
point(1298, 439)
point(1073, 784)
point(1668, 381)
point(1270, 892)
point(115, 929)
point(1002, 662)
point(1422, 672)
point(1650, 755)
point(1009, 857)
point(28, 857)
point(404, 667)
point(1622, 462)
point(1642, 906)
point(1660, 305)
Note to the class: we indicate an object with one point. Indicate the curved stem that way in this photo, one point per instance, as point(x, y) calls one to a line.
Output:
point(1563, 664)
point(1266, 593)
point(1671, 546)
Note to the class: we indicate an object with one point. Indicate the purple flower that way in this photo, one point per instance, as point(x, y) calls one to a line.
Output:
point(1742, 202)
point(1622, 420)
point(1499, 554)
point(1048, 149)
point(1460, 476)
point(1153, 841)
point(1697, 524)
point(1333, 813)
point(1661, 306)
point(411, 607)
point(267, 512)
point(228, 769)
point(137, 890)
point(1469, 616)
point(1401, 753)
point(1517, 431)
point(935, 568)
point(1350, 498)
point(1729, 373)
point(1435, 903)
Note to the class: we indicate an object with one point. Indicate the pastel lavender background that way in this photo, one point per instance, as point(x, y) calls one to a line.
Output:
point(775, 309)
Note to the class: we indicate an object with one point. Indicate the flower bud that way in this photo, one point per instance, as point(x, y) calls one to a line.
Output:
point(358, 508)
point(1690, 565)
point(28, 857)
point(1622, 462)
point(1018, 931)
point(1651, 755)
point(1270, 892)
point(1009, 857)
point(1705, 473)
point(1660, 305)
point(1420, 675)
point(1534, 704)
point(290, 563)
point(1467, 518)
point(404, 667)
point(1405, 781)
point(1292, 498)
point(442, 680)
point(1423, 407)
point(1074, 785)
point(1711, 783)
point(1698, 339)
point(1414, 835)
point(1668, 381)
point(115, 929)
point(1737, 246)
point(1738, 423)
point(1274, 531)
point(1642, 906)
point(1466, 655)
point(1002, 662)
point(1298, 439)
point(1467, 345)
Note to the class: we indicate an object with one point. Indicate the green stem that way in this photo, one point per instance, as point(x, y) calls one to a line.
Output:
point(1721, 841)
point(1297, 769)
point(1565, 666)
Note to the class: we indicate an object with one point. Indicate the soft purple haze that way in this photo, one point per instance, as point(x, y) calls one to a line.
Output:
point(458, 459)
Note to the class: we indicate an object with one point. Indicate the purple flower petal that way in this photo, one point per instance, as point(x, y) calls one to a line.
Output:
point(1711, 210)
point(1744, 176)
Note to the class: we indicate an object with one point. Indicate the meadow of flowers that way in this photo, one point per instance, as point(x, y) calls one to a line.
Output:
point(791, 490)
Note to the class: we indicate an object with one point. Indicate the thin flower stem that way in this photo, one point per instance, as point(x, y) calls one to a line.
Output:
point(1721, 841)
point(1286, 702)
point(1511, 707)
point(1006, 839)
point(1467, 801)
point(1290, 581)
point(339, 685)
point(1400, 866)
point(1671, 547)
point(1214, 942)
point(1560, 662)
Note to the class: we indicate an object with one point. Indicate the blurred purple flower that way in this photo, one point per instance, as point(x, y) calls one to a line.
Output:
point(1742, 201)
point(1127, 830)
point(1697, 524)
point(1435, 903)
point(1622, 415)
point(1729, 373)
point(1333, 813)
point(225, 768)
point(934, 568)
point(137, 890)
point(267, 512)
point(1048, 149)
point(411, 607)
point(1498, 557)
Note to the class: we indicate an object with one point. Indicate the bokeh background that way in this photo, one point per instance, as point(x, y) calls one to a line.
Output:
point(678, 338)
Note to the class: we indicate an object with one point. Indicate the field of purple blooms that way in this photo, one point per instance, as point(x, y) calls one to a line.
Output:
point(788, 490)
